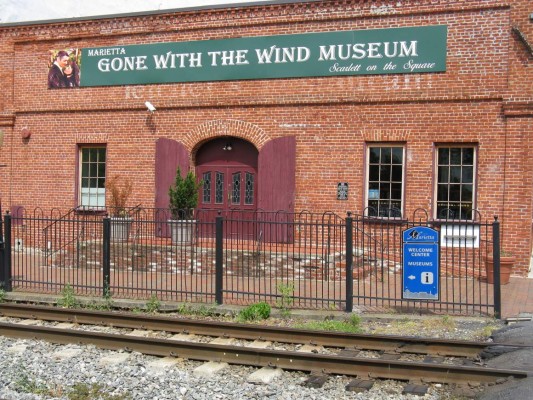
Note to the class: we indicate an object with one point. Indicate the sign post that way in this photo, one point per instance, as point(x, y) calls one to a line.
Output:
point(421, 269)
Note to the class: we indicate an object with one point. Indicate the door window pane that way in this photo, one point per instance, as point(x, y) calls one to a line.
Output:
point(249, 189)
point(219, 188)
point(236, 189)
point(206, 187)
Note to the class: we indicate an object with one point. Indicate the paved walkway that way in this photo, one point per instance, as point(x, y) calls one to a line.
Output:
point(517, 297)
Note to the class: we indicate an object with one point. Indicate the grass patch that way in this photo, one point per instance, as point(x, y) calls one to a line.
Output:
point(351, 325)
point(83, 391)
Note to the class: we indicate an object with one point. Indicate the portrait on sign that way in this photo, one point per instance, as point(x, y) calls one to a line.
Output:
point(64, 68)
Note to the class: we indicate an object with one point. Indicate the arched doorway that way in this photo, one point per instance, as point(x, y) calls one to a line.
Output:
point(227, 167)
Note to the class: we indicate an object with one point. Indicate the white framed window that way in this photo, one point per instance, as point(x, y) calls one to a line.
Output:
point(92, 176)
point(455, 184)
point(385, 180)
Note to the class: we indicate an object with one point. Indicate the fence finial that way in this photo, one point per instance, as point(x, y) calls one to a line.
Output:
point(349, 213)
point(495, 218)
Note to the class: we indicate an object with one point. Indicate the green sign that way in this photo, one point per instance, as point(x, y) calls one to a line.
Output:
point(374, 51)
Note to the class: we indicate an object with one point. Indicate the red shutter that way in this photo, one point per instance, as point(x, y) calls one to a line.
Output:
point(168, 155)
point(277, 169)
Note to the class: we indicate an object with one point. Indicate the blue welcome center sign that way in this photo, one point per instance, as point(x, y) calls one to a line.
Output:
point(421, 264)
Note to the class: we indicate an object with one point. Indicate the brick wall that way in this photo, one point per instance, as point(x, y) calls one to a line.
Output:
point(488, 69)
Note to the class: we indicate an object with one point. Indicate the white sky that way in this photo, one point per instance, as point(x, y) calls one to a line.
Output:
point(38, 10)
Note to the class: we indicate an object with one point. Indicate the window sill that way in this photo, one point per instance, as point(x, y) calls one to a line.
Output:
point(384, 220)
point(82, 210)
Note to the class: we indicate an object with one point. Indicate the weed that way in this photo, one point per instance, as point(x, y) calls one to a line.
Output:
point(255, 312)
point(83, 391)
point(184, 309)
point(287, 299)
point(68, 299)
point(445, 323)
point(2, 295)
point(202, 310)
point(205, 311)
point(108, 299)
point(25, 384)
point(106, 305)
point(351, 325)
point(153, 305)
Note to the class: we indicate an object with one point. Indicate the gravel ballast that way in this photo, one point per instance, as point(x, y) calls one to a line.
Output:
point(39, 370)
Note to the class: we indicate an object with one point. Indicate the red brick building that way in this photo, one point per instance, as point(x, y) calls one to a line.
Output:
point(456, 142)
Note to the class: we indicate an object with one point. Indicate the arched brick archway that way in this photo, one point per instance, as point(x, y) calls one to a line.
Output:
point(224, 127)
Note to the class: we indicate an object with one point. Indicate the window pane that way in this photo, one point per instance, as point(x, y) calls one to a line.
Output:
point(93, 170)
point(101, 170)
point(455, 174)
point(455, 192)
point(442, 193)
point(468, 156)
point(236, 190)
point(384, 191)
point(374, 155)
point(455, 156)
point(373, 173)
point(468, 175)
point(384, 173)
point(219, 188)
point(466, 211)
point(385, 155)
point(396, 191)
point(396, 173)
point(85, 170)
point(466, 195)
point(397, 155)
point(444, 156)
point(93, 155)
point(249, 189)
point(206, 187)
point(443, 175)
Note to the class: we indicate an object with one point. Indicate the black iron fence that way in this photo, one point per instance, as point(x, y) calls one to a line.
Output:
point(291, 260)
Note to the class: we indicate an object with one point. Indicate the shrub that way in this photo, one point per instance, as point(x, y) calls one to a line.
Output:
point(183, 195)
point(119, 192)
point(255, 312)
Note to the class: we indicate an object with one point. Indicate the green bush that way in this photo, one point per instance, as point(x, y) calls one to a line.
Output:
point(255, 312)
point(183, 195)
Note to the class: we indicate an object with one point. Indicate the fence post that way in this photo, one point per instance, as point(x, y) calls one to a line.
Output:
point(6, 250)
point(496, 259)
point(219, 254)
point(106, 255)
point(349, 262)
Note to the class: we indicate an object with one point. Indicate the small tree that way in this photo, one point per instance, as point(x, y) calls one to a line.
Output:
point(119, 192)
point(183, 196)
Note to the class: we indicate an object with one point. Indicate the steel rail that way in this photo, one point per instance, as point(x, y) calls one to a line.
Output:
point(399, 344)
point(351, 366)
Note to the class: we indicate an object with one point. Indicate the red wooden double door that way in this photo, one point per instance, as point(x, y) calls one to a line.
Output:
point(227, 169)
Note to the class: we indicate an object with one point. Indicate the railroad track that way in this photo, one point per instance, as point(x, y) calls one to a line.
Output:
point(346, 362)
